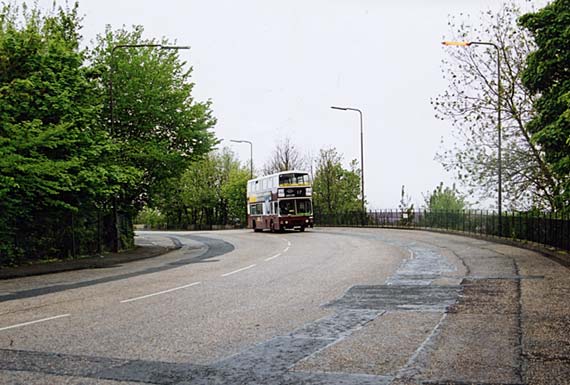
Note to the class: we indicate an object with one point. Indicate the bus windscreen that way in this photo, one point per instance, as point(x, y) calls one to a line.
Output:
point(295, 207)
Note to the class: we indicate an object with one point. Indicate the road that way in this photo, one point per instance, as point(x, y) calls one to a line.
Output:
point(328, 306)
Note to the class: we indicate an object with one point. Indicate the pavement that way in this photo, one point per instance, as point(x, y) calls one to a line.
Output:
point(146, 246)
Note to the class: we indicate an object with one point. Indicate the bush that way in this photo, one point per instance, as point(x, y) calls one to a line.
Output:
point(151, 218)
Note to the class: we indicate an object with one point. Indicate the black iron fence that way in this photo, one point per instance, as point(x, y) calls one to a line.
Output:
point(543, 228)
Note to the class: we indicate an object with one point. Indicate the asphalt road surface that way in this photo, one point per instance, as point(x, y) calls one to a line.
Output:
point(328, 306)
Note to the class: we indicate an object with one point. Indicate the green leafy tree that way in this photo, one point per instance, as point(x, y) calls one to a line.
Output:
point(200, 191)
point(547, 76)
point(234, 194)
point(335, 189)
point(53, 171)
point(470, 104)
point(212, 191)
point(152, 218)
point(159, 128)
point(445, 199)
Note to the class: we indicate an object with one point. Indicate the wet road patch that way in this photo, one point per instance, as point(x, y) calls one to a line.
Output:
point(398, 297)
point(338, 325)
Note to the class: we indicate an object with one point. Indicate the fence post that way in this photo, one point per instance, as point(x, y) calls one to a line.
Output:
point(566, 235)
point(566, 231)
point(486, 222)
point(72, 236)
point(98, 231)
point(550, 232)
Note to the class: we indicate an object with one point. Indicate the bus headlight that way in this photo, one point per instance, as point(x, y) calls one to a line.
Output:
point(281, 193)
point(308, 191)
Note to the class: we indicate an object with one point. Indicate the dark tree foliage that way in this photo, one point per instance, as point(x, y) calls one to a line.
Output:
point(63, 167)
point(548, 75)
point(51, 150)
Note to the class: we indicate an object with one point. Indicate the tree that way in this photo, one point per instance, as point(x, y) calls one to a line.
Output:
point(470, 103)
point(234, 193)
point(547, 77)
point(52, 149)
point(336, 189)
point(159, 128)
point(212, 191)
point(200, 191)
point(445, 199)
point(285, 157)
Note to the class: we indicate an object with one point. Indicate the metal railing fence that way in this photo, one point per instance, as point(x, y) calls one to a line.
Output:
point(548, 229)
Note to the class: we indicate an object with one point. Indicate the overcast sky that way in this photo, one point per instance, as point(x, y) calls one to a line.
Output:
point(273, 69)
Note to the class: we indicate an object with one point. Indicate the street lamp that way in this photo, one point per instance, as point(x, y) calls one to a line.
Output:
point(112, 120)
point(250, 154)
point(499, 163)
point(361, 148)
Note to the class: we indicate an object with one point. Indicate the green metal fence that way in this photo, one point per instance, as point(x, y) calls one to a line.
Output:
point(544, 228)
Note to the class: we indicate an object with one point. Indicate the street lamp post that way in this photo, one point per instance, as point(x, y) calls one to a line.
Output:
point(250, 169)
point(361, 149)
point(499, 130)
point(250, 154)
point(116, 242)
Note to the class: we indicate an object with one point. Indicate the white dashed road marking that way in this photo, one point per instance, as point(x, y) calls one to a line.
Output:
point(238, 270)
point(34, 322)
point(271, 258)
point(160, 292)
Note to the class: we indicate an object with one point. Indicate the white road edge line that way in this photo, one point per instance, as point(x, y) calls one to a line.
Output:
point(34, 322)
point(271, 258)
point(238, 270)
point(160, 292)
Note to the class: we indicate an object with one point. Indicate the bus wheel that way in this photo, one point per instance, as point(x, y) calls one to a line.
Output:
point(255, 229)
point(271, 227)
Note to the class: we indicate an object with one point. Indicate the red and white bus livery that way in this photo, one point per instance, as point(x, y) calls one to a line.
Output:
point(280, 201)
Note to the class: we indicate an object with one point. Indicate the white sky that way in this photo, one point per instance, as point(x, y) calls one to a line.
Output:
point(274, 68)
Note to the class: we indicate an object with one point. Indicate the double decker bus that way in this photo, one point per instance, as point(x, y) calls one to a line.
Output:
point(280, 201)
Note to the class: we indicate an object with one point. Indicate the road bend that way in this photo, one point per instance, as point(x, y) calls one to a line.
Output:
point(328, 306)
